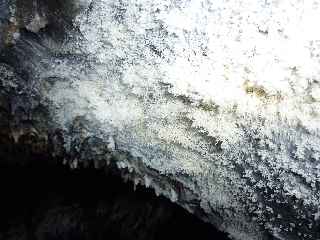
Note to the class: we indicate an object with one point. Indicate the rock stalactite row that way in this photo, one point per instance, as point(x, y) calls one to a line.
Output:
point(213, 104)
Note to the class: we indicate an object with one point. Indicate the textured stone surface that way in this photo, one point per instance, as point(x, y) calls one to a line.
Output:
point(214, 104)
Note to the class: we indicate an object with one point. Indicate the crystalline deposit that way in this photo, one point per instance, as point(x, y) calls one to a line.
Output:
point(216, 102)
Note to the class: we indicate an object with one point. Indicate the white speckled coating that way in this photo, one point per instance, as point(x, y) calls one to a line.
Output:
point(224, 92)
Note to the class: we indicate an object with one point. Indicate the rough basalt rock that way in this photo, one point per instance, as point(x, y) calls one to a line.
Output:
point(213, 104)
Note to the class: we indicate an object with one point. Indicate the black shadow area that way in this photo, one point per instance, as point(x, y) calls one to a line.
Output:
point(40, 202)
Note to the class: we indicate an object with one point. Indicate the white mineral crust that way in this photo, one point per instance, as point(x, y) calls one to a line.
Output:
point(223, 96)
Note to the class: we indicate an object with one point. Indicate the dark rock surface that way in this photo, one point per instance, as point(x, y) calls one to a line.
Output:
point(52, 202)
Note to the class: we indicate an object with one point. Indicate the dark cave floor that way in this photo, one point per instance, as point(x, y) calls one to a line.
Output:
point(41, 202)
